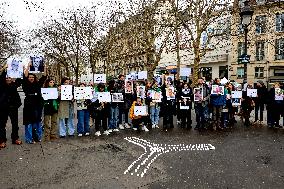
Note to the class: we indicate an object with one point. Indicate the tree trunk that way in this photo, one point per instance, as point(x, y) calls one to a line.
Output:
point(196, 65)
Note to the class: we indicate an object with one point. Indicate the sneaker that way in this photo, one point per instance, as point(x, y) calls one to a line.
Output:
point(106, 133)
point(153, 126)
point(115, 130)
point(121, 127)
point(157, 127)
point(79, 135)
point(98, 133)
point(178, 122)
point(145, 129)
point(87, 134)
point(127, 126)
point(110, 130)
point(135, 129)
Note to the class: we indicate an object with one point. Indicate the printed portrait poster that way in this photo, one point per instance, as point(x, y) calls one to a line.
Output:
point(278, 94)
point(99, 78)
point(66, 92)
point(155, 96)
point(216, 89)
point(37, 64)
point(197, 94)
point(132, 76)
point(159, 79)
point(170, 93)
point(128, 86)
point(103, 96)
point(140, 110)
point(169, 80)
point(117, 97)
point(236, 101)
point(83, 93)
point(252, 92)
point(49, 93)
point(140, 91)
point(184, 103)
point(15, 68)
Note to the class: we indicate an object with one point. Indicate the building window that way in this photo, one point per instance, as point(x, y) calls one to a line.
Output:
point(241, 49)
point(259, 72)
point(280, 22)
point(279, 49)
point(240, 72)
point(259, 51)
point(260, 24)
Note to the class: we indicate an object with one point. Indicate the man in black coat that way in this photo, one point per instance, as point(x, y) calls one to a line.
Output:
point(260, 100)
point(9, 104)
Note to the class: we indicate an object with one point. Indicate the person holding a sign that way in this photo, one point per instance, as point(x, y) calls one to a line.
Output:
point(260, 100)
point(155, 104)
point(50, 113)
point(247, 105)
point(137, 117)
point(99, 111)
point(185, 98)
point(9, 104)
point(83, 115)
point(274, 107)
point(66, 111)
point(201, 105)
point(33, 106)
point(218, 101)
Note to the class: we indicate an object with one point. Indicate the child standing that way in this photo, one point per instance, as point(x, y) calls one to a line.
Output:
point(50, 114)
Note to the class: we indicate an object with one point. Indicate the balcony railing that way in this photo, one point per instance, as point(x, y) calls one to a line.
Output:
point(259, 57)
point(279, 57)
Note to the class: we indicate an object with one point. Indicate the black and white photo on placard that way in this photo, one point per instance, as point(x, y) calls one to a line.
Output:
point(15, 68)
point(117, 97)
point(99, 78)
point(140, 91)
point(37, 64)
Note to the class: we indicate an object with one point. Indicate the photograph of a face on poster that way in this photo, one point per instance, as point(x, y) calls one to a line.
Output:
point(169, 80)
point(128, 86)
point(37, 64)
point(170, 93)
point(197, 94)
point(15, 68)
point(236, 101)
point(155, 95)
point(159, 80)
point(140, 91)
point(278, 94)
point(117, 97)
point(216, 89)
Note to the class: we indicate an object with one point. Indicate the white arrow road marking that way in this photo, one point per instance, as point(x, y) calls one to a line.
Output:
point(152, 151)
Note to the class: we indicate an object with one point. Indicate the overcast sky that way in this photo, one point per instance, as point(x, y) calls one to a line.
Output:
point(28, 18)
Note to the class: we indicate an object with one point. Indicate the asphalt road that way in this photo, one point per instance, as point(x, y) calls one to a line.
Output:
point(243, 158)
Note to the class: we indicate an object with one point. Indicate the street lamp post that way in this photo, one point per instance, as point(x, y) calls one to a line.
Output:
point(246, 16)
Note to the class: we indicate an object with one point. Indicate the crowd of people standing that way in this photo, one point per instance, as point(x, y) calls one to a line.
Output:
point(53, 118)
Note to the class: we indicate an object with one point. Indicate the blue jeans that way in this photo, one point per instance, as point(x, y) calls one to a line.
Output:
point(70, 124)
point(155, 111)
point(114, 111)
point(29, 132)
point(200, 112)
point(83, 125)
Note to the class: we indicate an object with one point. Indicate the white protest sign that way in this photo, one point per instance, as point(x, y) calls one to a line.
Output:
point(66, 92)
point(15, 68)
point(83, 93)
point(99, 78)
point(140, 110)
point(185, 72)
point(49, 93)
point(103, 96)
point(278, 94)
point(252, 92)
point(237, 94)
point(87, 79)
point(142, 75)
point(236, 101)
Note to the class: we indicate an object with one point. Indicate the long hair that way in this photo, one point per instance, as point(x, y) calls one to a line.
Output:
point(64, 79)
point(46, 83)
point(35, 80)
